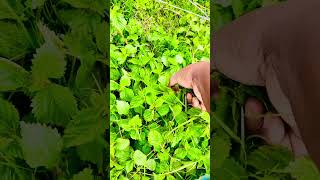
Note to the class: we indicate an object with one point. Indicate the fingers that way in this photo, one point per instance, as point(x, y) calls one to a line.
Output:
point(194, 101)
point(272, 128)
point(182, 77)
point(254, 110)
point(268, 126)
point(239, 48)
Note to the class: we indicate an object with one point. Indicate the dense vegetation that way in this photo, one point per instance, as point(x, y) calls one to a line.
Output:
point(235, 155)
point(154, 133)
point(53, 95)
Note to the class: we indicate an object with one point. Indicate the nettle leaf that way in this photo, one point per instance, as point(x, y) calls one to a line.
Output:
point(221, 149)
point(117, 19)
point(303, 168)
point(12, 76)
point(148, 115)
point(54, 104)
point(123, 107)
point(85, 174)
point(81, 45)
point(135, 121)
point(14, 40)
point(155, 138)
point(81, 20)
point(194, 153)
point(92, 152)
point(230, 170)
point(164, 109)
point(89, 120)
point(98, 6)
point(122, 143)
point(139, 158)
point(126, 94)
point(271, 156)
point(48, 62)
point(41, 145)
point(136, 101)
point(11, 9)
point(125, 80)
point(129, 166)
point(180, 153)
point(151, 164)
point(9, 118)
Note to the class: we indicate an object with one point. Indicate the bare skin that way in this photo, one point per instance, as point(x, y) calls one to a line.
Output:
point(276, 47)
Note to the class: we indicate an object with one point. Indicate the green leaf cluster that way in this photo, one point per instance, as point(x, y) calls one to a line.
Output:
point(53, 89)
point(154, 133)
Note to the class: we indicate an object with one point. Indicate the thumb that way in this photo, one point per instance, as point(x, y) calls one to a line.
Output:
point(239, 48)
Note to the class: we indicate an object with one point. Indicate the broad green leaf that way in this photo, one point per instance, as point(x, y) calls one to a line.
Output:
point(155, 138)
point(125, 81)
point(122, 143)
point(117, 19)
point(54, 104)
point(230, 170)
point(270, 156)
point(129, 166)
point(85, 174)
point(123, 107)
point(176, 109)
point(12, 76)
point(92, 152)
point(163, 110)
point(14, 40)
point(126, 94)
point(88, 120)
point(221, 148)
point(151, 164)
point(148, 115)
point(81, 45)
point(48, 62)
point(136, 101)
point(303, 168)
point(194, 153)
point(139, 158)
point(180, 153)
point(41, 145)
point(135, 121)
point(9, 118)
point(114, 85)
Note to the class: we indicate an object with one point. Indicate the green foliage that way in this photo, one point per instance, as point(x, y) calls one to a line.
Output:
point(236, 156)
point(53, 89)
point(154, 133)
point(41, 145)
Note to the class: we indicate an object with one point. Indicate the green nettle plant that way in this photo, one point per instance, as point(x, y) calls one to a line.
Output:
point(234, 155)
point(154, 134)
point(53, 95)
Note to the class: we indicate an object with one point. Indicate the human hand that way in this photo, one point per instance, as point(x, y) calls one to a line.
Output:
point(263, 48)
point(196, 77)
